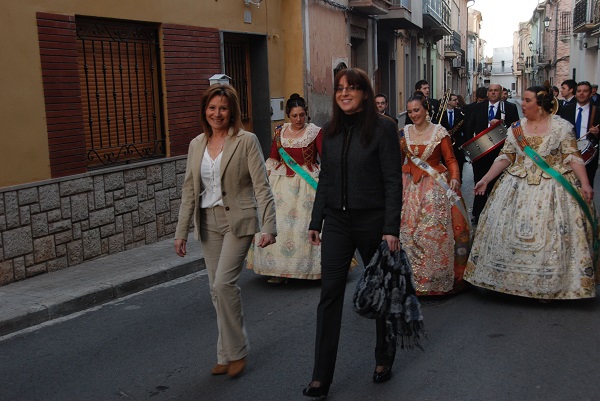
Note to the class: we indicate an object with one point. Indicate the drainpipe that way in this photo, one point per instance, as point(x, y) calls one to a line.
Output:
point(556, 39)
point(375, 56)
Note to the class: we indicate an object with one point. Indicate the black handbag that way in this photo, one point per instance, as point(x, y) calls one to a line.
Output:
point(386, 290)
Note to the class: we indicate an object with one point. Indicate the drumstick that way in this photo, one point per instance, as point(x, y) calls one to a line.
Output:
point(586, 134)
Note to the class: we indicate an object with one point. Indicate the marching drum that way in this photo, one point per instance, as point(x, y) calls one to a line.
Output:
point(588, 153)
point(485, 142)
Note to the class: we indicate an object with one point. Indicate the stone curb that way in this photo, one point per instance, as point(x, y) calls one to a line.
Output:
point(25, 305)
point(103, 293)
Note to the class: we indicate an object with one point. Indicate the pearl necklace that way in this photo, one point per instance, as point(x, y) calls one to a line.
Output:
point(297, 132)
point(420, 133)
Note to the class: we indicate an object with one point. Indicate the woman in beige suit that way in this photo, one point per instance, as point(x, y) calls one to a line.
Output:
point(227, 191)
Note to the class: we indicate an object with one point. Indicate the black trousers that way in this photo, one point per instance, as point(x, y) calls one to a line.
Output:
point(480, 168)
point(343, 233)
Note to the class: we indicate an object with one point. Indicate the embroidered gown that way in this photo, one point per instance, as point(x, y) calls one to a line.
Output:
point(533, 238)
point(433, 231)
point(292, 256)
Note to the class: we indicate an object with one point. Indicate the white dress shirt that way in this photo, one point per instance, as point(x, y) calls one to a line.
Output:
point(210, 171)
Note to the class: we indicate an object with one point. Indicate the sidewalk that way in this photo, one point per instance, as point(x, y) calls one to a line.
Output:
point(49, 296)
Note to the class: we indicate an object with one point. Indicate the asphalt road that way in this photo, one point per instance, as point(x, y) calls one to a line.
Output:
point(160, 345)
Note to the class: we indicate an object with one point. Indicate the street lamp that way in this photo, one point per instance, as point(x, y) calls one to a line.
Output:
point(530, 45)
point(547, 21)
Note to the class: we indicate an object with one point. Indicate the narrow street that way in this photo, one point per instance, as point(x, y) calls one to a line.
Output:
point(160, 345)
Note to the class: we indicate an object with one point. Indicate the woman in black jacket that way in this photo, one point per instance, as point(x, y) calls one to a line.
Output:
point(358, 203)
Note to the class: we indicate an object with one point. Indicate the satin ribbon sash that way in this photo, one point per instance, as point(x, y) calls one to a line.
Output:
point(297, 168)
point(541, 163)
point(450, 194)
point(291, 163)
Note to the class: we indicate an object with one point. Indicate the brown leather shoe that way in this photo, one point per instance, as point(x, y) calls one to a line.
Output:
point(219, 369)
point(236, 367)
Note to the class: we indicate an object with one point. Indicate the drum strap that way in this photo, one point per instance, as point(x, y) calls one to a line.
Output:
point(289, 160)
point(541, 163)
point(452, 196)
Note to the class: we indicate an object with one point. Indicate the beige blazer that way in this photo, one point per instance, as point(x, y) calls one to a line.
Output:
point(247, 197)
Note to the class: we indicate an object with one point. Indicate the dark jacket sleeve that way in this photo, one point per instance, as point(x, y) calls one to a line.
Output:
point(391, 167)
point(316, 221)
point(512, 114)
point(567, 113)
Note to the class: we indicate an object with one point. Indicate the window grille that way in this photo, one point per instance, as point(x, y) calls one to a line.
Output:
point(236, 66)
point(121, 91)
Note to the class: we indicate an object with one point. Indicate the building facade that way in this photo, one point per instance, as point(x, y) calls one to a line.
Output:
point(502, 69)
point(584, 44)
point(101, 99)
point(475, 49)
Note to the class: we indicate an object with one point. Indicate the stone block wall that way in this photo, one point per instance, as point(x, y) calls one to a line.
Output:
point(49, 225)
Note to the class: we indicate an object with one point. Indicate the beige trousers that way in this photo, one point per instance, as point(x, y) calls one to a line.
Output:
point(224, 255)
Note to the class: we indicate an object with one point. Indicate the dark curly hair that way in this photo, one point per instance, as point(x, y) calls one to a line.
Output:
point(544, 97)
point(295, 101)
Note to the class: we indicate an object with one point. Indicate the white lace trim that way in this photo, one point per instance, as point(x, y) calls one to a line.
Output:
point(556, 134)
point(573, 158)
point(439, 133)
point(309, 136)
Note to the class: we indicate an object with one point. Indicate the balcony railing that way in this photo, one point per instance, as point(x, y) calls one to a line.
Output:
point(436, 15)
point(581, 20)
point(452, 42)
point(596, 12)
point(371, 7)
point(401, 3)
point(452, 45)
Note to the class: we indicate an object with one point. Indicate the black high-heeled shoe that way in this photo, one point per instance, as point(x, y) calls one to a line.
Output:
point(383, 376)
point(316, 391)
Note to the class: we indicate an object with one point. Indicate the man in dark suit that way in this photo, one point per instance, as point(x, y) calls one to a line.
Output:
point(483, 115)
point(423, 87)
point(595, 96)
point(480, 96)
point(453, 119)
point(567, 91)
point(381, 101)
point(585, 117)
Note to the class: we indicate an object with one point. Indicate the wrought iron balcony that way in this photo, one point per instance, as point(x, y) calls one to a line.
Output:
point(403, 14)
point(582, 22)
point(371, 7)
point(460, 60)
point(436, 17)
point(542, 59)
point(452, 44)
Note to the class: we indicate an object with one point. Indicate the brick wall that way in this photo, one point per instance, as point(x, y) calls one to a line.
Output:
point(49, 225)
point(192, 56)
point(62, 94)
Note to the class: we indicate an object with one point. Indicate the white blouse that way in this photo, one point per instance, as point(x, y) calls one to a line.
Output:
point(210, 171)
